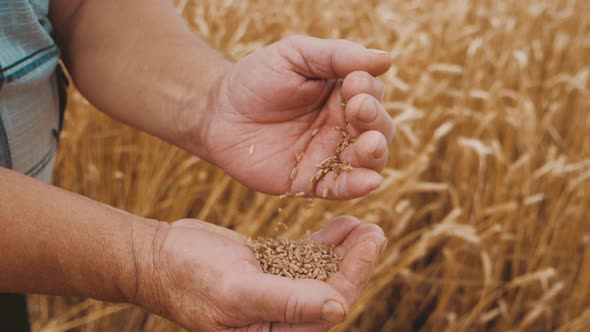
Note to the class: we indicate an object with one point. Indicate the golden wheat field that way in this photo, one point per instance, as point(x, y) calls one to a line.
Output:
point(486, 198)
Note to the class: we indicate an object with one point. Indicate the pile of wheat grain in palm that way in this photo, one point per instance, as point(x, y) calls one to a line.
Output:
point(486, 194)
point(303, 259)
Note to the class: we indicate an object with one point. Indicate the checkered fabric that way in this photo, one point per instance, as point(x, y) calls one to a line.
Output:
point(30, 85)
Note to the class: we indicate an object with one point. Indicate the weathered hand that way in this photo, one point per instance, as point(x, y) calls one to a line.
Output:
point(274, 100)
point(205, 278)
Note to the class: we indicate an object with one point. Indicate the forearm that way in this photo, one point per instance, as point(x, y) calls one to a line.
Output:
point(137, 61)
point(56, 242)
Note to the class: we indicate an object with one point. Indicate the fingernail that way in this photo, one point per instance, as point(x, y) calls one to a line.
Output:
point(376, 151)
point(368, 111)
point(333, 312)
point(373, 180)
point(378, 52)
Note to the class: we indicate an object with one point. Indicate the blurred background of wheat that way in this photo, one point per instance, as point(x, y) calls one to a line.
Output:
point(486, 199)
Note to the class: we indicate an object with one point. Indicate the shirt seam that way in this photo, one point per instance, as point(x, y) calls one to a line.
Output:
point(27, 57)
point(30, 67)
point(41, 164)
point(5, 146)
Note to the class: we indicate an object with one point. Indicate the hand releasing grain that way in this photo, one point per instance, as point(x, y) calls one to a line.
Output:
point(334, 163)
point(295, 259)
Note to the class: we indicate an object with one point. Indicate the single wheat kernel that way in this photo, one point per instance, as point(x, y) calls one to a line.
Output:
point(300, 194)
point(293, 173)
point(325, 192)
point(298, 156)
point(251, 150)
point(315, 132)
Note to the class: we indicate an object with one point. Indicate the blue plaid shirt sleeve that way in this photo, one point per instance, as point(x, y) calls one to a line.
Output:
point(29, 88)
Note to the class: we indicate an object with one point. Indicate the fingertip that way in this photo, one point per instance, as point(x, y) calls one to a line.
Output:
point(373, 228)
point(365, 113)
point(381, 62)
point(361, 82)
point(369, 151)
point(336, 231)
point(368, 110)
point(357, 183)
point(373, 181)
point(346, 219)
point(377, 146)
point(359, 262)
point(389, 134)
point(362, 109)
point(333, 312)
point(378, 51)
point(378, 237)
point(297, 301)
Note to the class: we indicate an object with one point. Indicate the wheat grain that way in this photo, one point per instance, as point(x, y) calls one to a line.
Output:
point(334, 163)
point(295, 259)
point(298, 156)
point(285, 195)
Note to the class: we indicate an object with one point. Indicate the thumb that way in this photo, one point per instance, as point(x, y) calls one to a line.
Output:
point(332, 58)
point(279, 299)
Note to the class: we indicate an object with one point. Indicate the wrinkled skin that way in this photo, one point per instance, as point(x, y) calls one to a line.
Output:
point(276, 97)
point(209, 280)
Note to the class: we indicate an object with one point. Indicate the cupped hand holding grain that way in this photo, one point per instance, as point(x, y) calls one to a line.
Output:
point(205, 278)
point(282, 112)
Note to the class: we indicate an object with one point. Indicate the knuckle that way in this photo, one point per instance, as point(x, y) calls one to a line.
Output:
point(293, 309)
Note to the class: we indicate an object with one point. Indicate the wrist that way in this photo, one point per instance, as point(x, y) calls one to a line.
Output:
point(200, 104)
point(143, 284)
point(137, 258)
